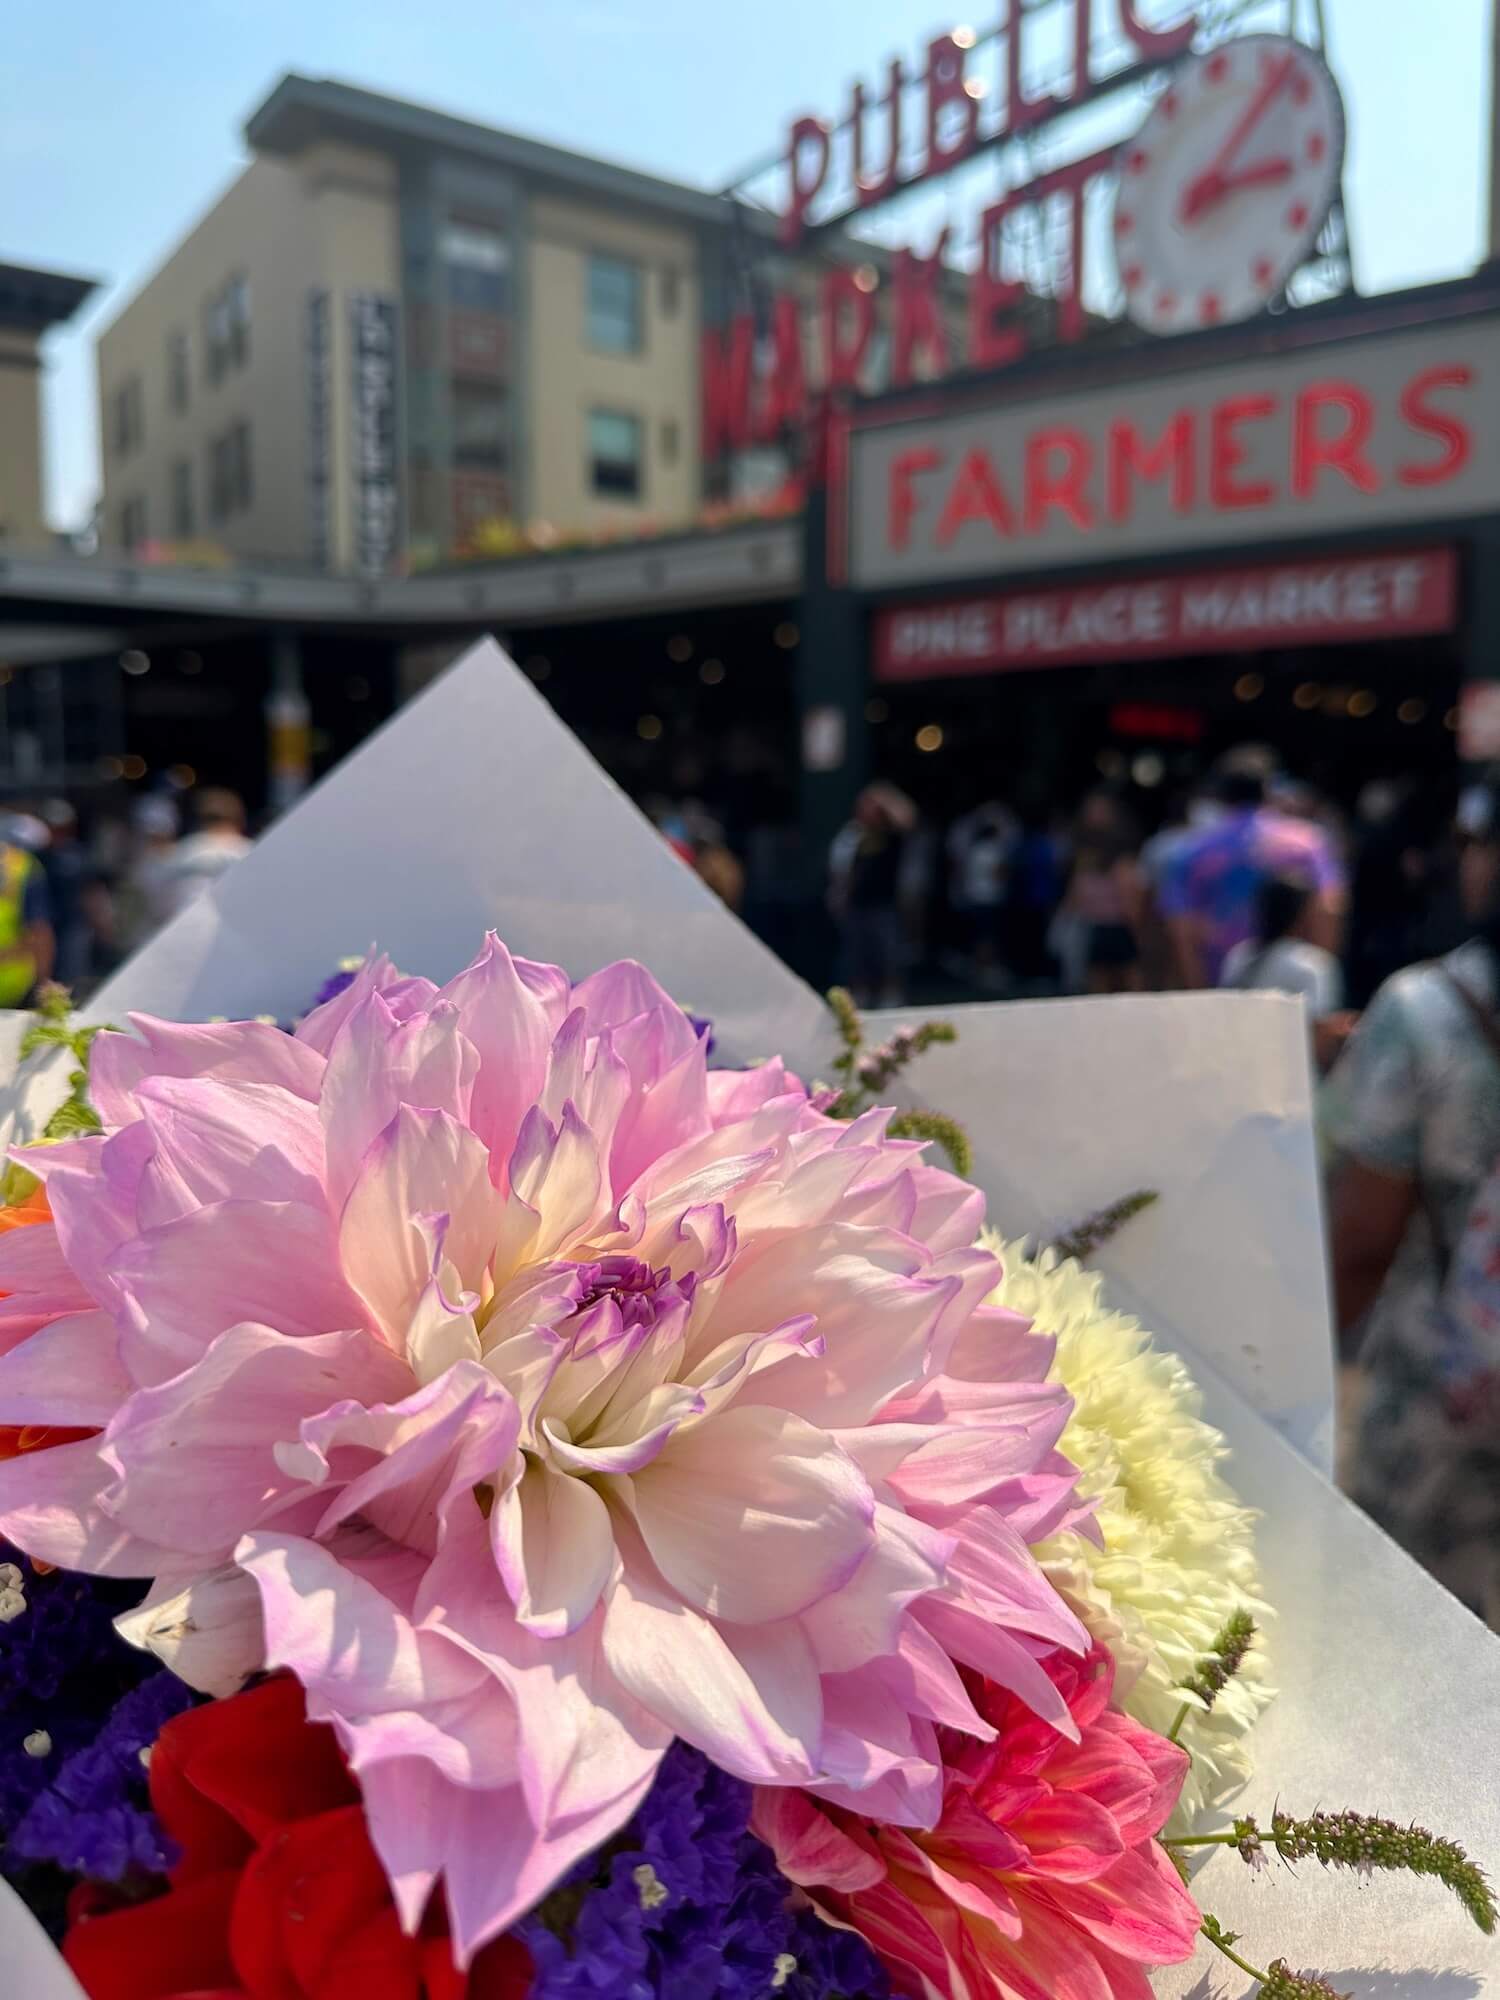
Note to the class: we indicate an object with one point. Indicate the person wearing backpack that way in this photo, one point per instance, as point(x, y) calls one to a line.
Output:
point(1412, 1113)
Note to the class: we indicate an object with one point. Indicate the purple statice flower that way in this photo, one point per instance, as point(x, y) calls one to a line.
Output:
point(93, 1819)
point(688, 1905)
point(337, 982)
point(62, 1669)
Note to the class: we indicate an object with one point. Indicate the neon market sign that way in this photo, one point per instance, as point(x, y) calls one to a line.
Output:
point(1258, 145)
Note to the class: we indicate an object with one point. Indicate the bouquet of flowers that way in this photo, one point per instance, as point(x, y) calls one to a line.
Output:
point(496, 1505)
point(616, 1520)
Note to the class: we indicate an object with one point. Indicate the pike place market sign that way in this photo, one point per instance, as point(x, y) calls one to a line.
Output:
point(1220, 197)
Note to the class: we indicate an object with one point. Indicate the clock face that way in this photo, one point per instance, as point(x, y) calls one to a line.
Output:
point(1223, 191)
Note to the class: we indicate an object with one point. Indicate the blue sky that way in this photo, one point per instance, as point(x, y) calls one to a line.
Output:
point(122, 123)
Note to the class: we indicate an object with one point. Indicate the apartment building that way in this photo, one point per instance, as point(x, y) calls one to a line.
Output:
point(397, 327)
point(31, 301)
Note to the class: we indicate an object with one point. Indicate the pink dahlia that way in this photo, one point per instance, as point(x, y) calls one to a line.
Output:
point(1041, 1881)
point(535, 1396)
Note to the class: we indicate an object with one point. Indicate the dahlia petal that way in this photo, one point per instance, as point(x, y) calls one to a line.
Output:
point(49, 1506)
point(225, 1141)
point(810, 1850)
point(555, 1171)
point(377, 1066)
point(225, 1051)
point(875, 1758)
point(69, 1372)
point(973, 1641)
point(344, 1638)
point(1139, 1909)
point(652, 1033)
point(754, 1515)
point(442, 1331)
point(320, 1029)
point(660, 1114)
point(209, 1633)
point(423, 1163)
point(403, 1462)
point(495, 1864)
point(584, 1741)
point(554, 1549)
point(733, 1094)
point(509, 1010)
point(194, 1458)
point(1071, 1838)
point(32, 1261)
point(92, 1189)
point(995, 1573)
point(876, 1308)
point(1163, 1766)
point(181, 1285)
point(864, 1619)
point(659, 1415)
point(762, 1726)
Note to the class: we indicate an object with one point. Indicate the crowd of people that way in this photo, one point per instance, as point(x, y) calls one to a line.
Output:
point(71, 910)
point(1387, 926)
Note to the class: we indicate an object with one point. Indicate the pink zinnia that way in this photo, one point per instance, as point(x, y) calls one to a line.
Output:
point(535, 1396)
point(1041, 1881)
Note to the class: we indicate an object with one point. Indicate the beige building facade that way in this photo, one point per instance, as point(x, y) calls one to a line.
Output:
point(399, 336)
point(31, 301)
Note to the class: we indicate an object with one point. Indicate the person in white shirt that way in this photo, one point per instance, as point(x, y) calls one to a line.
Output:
point(196, 863)
point(1279, 958)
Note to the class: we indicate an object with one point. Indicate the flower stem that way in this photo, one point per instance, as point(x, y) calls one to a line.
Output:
point(1202, 1840)
point(1181, 1717)
point(1210, 1932)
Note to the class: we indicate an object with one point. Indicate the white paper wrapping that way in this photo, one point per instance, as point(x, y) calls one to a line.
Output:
point(476, 808)
point(1390, 1704)
point(29, 1967)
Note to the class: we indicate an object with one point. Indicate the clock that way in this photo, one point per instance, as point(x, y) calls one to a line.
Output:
point(1223, 191)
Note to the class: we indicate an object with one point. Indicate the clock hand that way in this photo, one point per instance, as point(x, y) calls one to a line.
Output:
point(1210, 186)
point(1266, 173)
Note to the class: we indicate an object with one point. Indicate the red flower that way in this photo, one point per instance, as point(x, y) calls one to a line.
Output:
point(278, 1895)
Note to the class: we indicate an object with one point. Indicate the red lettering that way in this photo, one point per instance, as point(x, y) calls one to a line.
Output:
point(1227, 452)
point(901, 503)
point(917, 325)
point(1313, 454)
point(945, 85)
point(977, 495)
point(1157, 44)
point(783, 397)
point(1058, 490)
point(809, 136)
point(848, 307)
point(728, 358)
point(1021, 111)
point(992, 344)
point(1451, 432)
point(870, 187)
point(1130, 456)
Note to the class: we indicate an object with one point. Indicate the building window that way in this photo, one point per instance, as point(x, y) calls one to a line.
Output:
point(614, 312)
point(177, 371)
point(128, 417)
point(229, 482)
point(670, 291)
point(476, 257)
point(615, 454)
point(183, 526)
point(671, 440)
point(132, 524)
point(226, 329)
point(481, 424)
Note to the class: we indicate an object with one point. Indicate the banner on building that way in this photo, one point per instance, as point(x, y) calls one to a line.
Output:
point(1397, 595)
point(372, 324)
point(318, 354)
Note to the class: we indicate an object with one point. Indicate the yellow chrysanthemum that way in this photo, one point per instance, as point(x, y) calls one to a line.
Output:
point(1179, 1549)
